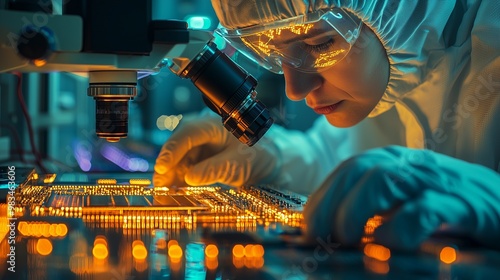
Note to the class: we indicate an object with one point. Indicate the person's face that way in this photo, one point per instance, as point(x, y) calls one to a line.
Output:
point(348, 91)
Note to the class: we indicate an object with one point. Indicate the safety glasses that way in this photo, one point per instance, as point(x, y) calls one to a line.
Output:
point(309, 43)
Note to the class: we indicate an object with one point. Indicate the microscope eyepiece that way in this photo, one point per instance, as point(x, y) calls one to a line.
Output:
point(230, 92)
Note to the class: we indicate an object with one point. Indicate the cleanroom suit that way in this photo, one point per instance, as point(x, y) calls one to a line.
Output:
point(435, 132)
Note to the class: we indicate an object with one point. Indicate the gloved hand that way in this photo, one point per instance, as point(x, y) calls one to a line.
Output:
point(202, 152)
point(423, 192)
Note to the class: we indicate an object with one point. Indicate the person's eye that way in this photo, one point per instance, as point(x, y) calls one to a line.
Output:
point(321, 47)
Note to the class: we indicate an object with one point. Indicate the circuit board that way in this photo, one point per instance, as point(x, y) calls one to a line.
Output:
point(109, 200)
point(128, 225)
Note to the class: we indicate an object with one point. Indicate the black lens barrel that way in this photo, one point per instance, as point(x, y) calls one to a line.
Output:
point(231, 91)
point(111, 118)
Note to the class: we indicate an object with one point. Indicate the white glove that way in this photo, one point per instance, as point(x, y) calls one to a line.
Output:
point(202, 152)
point(424, 192)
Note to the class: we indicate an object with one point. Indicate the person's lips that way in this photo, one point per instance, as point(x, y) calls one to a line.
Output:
point(325, 110)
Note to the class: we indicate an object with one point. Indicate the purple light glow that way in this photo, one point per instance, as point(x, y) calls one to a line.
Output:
point(122, 160)
point(83, 157)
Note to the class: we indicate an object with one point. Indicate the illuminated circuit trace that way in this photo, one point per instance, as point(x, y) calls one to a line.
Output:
point(137, 204)
point(265, 43)
point(163, 231)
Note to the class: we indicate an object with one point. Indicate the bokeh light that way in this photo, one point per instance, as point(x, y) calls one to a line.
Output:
point(377, 252)
point(44, 247)
point(448, 255)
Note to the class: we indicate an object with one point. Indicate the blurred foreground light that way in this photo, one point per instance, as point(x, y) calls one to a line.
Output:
point(100, 239)
point(238, 251)
point(448, 255)
point(175, 251)
point(198, 22)
point(376, 266)
point(139, 251)
point(61, 229)
point(44, 246)
point(100, 251)
point(377, 252)
point(168, 122)
point(39, 62)
point(38, 229)
point(211, 251)
point(247, 251)
point(172, 242)
point(258, 251)
point(212, 263)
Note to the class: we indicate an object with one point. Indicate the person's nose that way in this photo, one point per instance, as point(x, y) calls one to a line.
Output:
point(299, 84)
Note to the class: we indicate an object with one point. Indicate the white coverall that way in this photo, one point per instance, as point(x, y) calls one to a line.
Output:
point(443, 95)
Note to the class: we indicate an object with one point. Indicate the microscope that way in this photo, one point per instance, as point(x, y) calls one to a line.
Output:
point(116, 43)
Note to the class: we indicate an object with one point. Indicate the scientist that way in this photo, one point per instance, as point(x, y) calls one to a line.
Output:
point(410, 97)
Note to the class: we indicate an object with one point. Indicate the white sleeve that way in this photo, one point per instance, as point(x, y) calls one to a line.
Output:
point(307, 158)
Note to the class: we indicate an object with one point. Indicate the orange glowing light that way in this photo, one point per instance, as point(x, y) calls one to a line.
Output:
point(448, 255)
point(175, 251)
point(238, 251)
point(211, 251)
point(104, 181)
point(39, 62)
point(377, 252)
point(52, 230)
point(175, 265)
point(247, 251)
point(139, 251)
point(29, 229)
point(49, 178)
point(258, 251)
point(258, 262)
point(136, 243)
point(100, 251)
point(100, 240)
point(212, 263)
point(376, 266)
point(172, 242)
point(238, 262)
point(140, 181)
point(248, 262)
point(46, 230)
point(23, 228)
point(44, 247)
point(61, 229)
point(141, 265)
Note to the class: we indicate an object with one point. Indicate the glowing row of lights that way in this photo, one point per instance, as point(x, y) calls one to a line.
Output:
point(67, 209)
point(251, 263)
point(249, 251)
point(176, 218)
point(38, 229)
point(203, 189)
point(376, 256)
point(63, 211)
point(133, 181)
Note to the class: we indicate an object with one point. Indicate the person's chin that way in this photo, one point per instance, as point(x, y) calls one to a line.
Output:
point(342, 121)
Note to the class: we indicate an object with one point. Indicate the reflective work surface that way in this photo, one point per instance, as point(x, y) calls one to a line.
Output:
point(125, 230)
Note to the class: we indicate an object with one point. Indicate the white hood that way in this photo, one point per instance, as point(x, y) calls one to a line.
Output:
point(444, 65)
point(405, 28)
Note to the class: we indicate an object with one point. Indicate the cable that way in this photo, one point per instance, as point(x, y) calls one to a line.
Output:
point(38, 158)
